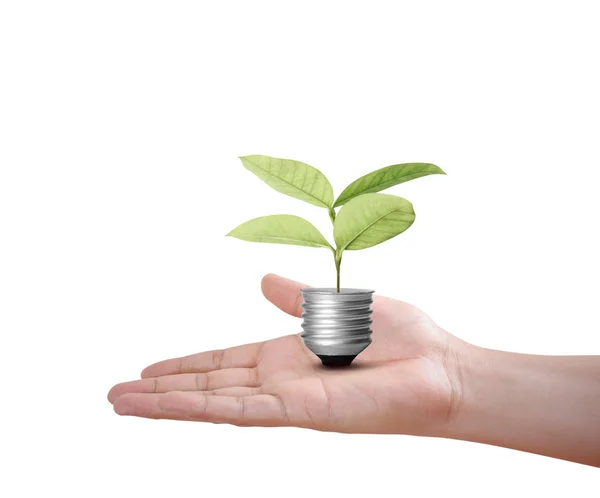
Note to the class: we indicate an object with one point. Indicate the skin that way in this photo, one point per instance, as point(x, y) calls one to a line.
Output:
point(415, 378)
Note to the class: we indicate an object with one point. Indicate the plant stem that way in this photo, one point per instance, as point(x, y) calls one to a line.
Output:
point(332, 215)
point(338, 264)
point(336, 256)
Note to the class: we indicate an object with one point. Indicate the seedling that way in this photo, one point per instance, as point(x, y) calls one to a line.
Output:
point(364, 220)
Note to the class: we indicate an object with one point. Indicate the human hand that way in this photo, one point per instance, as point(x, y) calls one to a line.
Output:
point(414, 378)
point(404, 382)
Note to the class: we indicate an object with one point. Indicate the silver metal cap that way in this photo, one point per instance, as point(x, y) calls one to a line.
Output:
point(336, 324)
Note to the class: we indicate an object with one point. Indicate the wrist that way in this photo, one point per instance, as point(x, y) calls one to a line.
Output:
point(459, 360)
point(539, 404)
point(454, 359)
point(471, 370)
point(474, 381)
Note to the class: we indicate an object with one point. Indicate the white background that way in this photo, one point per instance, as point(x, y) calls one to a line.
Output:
point(120, 127)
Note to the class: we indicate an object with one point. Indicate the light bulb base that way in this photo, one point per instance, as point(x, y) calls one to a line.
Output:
point(336, 325)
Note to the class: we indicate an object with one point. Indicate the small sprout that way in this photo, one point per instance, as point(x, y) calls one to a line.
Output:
point(365, 219)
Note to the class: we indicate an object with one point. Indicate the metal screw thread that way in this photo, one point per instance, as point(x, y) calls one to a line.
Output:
point(337, 324)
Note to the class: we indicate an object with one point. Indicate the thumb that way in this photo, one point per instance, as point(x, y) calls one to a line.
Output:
point(283, 293)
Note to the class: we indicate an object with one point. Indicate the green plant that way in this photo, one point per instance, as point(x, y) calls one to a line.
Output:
point(364, 220)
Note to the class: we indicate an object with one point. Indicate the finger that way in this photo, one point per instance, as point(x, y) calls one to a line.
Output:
point(217, 379)
point(263, 409)
point(246, 356)
point(283, 293)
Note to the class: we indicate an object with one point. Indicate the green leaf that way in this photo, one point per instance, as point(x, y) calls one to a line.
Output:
point(371, 219)
point(385, 178)
point(280, 229)
point(292, 178)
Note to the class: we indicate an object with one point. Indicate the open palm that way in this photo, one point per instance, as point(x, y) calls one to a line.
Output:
point(399, 384)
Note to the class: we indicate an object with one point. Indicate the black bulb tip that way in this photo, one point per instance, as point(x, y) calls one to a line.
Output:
point(336, 361)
